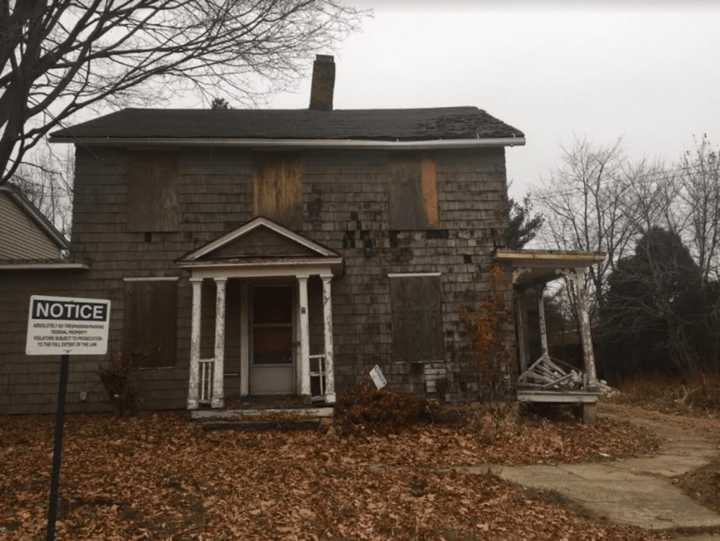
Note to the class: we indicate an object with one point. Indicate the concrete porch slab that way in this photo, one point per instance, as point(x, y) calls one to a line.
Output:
point(255, 413)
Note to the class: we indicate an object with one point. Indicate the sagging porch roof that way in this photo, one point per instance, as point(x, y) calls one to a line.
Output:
point(537, 267)
point(261, 243)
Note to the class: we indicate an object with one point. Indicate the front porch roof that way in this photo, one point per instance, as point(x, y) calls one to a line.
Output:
point(264, 247)
point(537, 267)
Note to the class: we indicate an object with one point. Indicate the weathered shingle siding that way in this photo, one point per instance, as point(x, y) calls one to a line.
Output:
point(29, 384)
point(345, 207)
point(20, 236)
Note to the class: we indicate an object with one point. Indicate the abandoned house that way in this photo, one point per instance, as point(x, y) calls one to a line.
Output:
point(252, 253)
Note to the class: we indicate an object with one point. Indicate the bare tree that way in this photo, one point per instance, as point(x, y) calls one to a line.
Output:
point(699, 194)
point(59, 57)
point(48, 183)
point(583, 203)
point(650, 193)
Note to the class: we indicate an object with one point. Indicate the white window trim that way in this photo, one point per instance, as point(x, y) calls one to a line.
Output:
point(151, 278)
point(412, 274)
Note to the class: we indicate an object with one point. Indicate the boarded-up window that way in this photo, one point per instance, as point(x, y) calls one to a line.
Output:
point(417, 330)
point(278, 189)
point(150, 322)
point(413, 194)
point(153, 203)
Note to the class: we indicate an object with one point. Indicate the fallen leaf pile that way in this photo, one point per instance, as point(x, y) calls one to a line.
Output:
point(162, 477)
point(703, 484)
point(537, 442)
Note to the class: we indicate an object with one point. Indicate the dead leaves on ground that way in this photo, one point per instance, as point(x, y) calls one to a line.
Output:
point(162, 477)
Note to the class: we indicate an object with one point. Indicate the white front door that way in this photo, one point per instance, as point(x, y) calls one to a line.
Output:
point(271, 340)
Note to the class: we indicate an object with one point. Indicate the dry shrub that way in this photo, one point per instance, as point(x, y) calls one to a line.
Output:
point(119, 383)
point(699, 393)
point(489, 421)
point(364, 408)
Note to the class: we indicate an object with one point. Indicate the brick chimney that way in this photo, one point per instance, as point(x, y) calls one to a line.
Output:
point(323, 83)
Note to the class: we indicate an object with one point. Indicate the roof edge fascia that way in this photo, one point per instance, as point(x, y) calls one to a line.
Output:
point(366, 144)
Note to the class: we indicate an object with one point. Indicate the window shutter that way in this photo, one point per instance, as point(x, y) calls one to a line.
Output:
point(413, 194)
point(150, 326)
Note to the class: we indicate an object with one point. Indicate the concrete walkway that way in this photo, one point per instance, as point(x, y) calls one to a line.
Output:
point(637, 491)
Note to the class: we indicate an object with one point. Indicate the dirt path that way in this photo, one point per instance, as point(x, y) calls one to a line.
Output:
point(637, 491)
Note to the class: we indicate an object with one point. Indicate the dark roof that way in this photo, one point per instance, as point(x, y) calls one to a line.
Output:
point(367, 124)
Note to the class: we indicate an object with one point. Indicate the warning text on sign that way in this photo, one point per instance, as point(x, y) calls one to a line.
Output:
point(61, 325)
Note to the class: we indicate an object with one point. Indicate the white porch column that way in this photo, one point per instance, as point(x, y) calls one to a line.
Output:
point(304, 335)
point(328, 329)
point(218, 394)
point(244, 341)
point(194, 373)
point(541, 321)
point(578, 279)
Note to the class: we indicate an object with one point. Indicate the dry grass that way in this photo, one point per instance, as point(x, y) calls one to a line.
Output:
point(697, 395)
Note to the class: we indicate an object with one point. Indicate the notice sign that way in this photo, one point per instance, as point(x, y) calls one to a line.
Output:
point(378, 377)
point(67, 326)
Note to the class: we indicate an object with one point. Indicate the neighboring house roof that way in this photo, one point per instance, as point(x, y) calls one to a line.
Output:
point(379, 125)
point(25, 233)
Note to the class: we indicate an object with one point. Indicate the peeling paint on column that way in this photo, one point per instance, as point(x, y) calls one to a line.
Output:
point(304, 336)
point(218, 393)
point(578, 279)
point(541, 320)
point(328, 330)
point(194, 372)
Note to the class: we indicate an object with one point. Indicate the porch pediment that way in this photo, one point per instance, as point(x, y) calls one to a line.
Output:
point(259, 241)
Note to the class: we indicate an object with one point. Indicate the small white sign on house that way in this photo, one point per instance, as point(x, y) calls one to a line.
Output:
point(67, 326)
point(378, 377)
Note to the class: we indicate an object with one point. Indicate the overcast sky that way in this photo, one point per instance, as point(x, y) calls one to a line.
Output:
point(646, 73)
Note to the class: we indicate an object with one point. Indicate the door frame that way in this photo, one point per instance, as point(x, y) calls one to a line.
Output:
point(252, 286)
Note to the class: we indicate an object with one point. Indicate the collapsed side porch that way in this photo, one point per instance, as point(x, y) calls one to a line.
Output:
point(545, 379)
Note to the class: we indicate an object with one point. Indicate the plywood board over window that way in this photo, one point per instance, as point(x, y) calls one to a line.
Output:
point(153, 204)
point(413, 193)
point(278, 192)
point(417, 328)
point(150, 325)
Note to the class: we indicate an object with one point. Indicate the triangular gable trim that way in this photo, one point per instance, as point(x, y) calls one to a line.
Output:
point(252, 225)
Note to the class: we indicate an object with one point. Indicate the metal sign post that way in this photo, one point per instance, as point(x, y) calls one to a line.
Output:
point(57, 448)
point(65, 326)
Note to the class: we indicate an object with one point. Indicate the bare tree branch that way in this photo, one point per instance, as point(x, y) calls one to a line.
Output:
point(59, 57)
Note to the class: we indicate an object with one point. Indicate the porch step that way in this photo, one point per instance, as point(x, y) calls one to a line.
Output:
point(259, 419)
point(255, 413)
point(262, 425)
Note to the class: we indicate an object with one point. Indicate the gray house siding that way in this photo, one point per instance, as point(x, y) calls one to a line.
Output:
point(345, 206)
point(20, 236)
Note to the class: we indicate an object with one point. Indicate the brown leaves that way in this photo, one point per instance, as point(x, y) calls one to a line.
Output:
point(161, 477)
